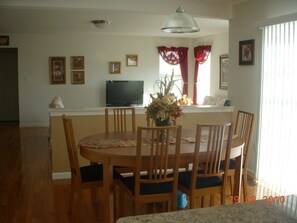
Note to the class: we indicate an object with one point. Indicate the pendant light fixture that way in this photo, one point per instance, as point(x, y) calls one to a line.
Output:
point(180, 22)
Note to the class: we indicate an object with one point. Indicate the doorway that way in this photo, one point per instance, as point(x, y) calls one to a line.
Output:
point(9, 90)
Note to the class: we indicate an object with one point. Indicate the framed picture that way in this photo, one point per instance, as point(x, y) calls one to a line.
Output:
point(77, 62)
point(78, 77)
point(115, 67)
point(4, 40)
point(224, 71)
point(246, 52)
point(57, 67)
point(131, 60)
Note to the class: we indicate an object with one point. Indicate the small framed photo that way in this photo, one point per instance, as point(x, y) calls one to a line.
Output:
point(131, 60)
point(78, 77)
point(224, 71)
point(57, 69)
point(114, 67)
point(4, 40)
point(246, 52)
point(77, 62)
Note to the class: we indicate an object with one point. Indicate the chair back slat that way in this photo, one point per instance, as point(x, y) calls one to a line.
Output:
point(214, 140)
point(214, 148)
point(244, 129)
point(71, 146)
point(159, 146)
point(121, 116)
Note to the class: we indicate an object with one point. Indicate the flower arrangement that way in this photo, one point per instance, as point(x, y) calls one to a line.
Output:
point(164, 107)
point(164, 104)
point(185, 100)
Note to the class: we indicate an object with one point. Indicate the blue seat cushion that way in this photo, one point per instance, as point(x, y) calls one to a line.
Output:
point(94, 173)
point(231, 164)
point(184, 179)
point(147, 188)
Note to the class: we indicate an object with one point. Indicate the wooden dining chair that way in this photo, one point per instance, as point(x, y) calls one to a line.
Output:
point(86, 177)
point(212, 145)
point(120, 119)
point(244, 129)
point(150, 121)
point(151, 181)
point(121, 123)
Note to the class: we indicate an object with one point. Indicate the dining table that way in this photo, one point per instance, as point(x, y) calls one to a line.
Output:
point(119, 149)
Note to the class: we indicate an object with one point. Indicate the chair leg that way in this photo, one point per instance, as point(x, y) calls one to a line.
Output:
point(173, 204)
point(94, 194)
point(223, 198)
point(169, 206)
point(154, 206)
point(192, 202)
point(212, 199)
point(163, 206)
point(245, 190)
point(232, 184)
point(202, 201)
point(136, 207)
point(116, 191)
point(121, 202)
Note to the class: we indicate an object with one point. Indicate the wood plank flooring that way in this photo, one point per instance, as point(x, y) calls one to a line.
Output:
point(27, 192)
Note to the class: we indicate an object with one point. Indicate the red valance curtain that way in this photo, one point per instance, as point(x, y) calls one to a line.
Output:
point(177, 55)
point(201, 54)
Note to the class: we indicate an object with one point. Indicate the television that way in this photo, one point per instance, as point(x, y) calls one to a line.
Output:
point(124, 93)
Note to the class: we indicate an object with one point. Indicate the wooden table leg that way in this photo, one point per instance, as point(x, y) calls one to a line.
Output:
point(237, 177)
point(108, 192)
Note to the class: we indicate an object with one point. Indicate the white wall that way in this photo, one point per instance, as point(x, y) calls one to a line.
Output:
point(35, 92)
point(245, 81)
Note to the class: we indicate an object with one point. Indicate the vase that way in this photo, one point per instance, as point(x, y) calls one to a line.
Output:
point(165, 122)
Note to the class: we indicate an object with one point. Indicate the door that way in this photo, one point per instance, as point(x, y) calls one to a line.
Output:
point(9, 94)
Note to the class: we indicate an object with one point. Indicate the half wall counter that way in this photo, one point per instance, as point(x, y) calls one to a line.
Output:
point(89, 121)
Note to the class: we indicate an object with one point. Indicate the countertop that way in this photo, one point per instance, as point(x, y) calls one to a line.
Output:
point(260, 211)
point(139, 110)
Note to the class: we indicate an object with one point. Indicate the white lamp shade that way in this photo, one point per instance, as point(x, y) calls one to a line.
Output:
point(180, 22)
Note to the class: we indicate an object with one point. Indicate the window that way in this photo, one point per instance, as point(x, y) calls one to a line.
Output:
point(167, 69)
point(277, 144)
point(203, 80)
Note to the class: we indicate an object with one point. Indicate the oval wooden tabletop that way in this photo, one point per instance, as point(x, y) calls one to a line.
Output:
point(122, 154)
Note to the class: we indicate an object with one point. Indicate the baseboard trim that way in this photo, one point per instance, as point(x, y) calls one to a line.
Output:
point(61, 175)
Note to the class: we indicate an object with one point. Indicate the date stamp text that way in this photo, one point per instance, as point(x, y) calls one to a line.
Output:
point(264, 200)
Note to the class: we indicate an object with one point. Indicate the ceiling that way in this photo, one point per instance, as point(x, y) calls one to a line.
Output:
point(129, 17)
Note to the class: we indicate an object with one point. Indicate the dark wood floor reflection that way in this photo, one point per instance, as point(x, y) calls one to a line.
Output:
point(27, 193)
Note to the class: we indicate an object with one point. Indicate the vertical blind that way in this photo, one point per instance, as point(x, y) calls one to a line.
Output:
point(277, 163)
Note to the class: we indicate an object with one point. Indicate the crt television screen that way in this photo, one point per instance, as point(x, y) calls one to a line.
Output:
point(124, 93)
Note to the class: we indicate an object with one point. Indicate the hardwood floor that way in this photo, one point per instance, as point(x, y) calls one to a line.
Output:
point(27, 193)
point(25, 189)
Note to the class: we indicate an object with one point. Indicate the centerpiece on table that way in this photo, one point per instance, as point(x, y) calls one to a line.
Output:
point(164, 107)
